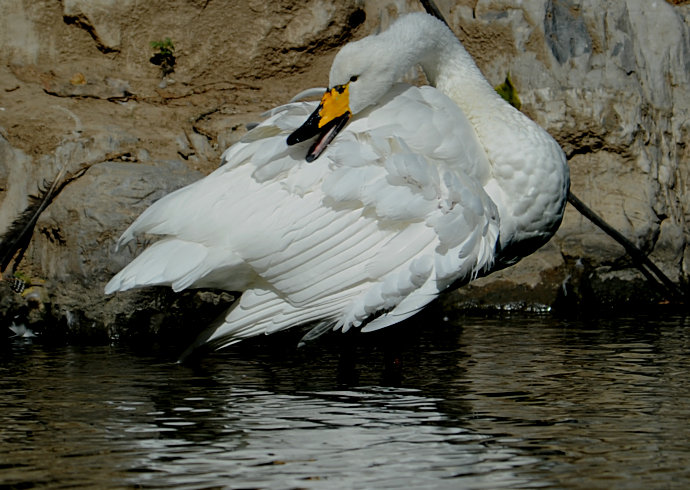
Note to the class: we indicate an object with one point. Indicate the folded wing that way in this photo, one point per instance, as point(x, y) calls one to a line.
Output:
point(390, 215)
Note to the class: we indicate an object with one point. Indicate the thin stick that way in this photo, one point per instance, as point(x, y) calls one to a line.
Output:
point(639, 258)
point(432, 9)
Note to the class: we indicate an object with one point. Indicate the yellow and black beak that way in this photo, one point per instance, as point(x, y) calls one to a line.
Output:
point(326, 121)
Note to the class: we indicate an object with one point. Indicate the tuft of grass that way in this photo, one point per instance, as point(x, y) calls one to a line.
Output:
point(508, 91)
point(164, 57)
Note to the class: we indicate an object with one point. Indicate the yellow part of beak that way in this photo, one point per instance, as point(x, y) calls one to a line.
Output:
point(334, 103)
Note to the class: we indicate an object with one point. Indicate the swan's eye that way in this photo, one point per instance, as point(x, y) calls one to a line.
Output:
point(353, 78)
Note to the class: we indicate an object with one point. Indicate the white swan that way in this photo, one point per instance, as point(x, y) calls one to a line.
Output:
point(405, 192)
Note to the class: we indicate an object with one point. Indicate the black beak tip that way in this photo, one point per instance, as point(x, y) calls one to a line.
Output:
point(308, 130)
point(311, 128)
point(293, 139)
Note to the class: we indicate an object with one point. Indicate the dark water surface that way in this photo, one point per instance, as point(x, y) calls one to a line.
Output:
point(514, 402)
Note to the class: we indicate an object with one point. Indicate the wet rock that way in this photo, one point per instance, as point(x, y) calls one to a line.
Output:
point(536, 284)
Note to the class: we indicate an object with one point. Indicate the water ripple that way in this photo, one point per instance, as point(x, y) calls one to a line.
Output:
point(494, 403)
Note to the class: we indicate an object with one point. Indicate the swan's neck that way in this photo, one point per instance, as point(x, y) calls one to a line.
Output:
point(422, 39)
point(451, 69)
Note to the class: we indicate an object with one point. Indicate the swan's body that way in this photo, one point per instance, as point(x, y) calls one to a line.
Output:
point(424, 188)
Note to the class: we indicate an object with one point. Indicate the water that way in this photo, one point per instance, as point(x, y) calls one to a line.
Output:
point(512, 402)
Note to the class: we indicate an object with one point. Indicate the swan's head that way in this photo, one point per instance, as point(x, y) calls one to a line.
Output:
point(368, 68)
point(361, 74)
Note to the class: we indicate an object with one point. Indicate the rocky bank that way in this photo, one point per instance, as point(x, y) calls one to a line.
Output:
point(81, 98)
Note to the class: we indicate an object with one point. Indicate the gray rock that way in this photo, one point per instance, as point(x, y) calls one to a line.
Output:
point(16, 173)
point(75, 236)
point(71, 254)
point(565, 31)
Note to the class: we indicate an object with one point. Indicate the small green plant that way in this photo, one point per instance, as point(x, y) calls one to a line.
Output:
point(165, 57)
point(508, 91)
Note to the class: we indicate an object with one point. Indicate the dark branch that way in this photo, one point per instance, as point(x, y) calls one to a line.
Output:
point(639, 258)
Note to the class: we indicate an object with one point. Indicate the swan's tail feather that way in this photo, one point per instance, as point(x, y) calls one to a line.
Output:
point(410, 305)
point(180, 264)
point(262, 311)
point(320, 329)
point(201, 342)
point(162, 263)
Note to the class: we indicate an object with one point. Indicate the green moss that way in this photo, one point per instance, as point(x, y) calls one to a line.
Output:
point(508, 91)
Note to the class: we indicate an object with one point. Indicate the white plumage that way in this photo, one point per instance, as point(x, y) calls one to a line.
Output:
point(424, 188)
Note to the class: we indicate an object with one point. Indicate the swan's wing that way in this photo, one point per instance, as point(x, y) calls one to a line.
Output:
point(392, 213)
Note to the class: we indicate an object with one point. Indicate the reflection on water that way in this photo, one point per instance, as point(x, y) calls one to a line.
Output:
point(485, 403)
